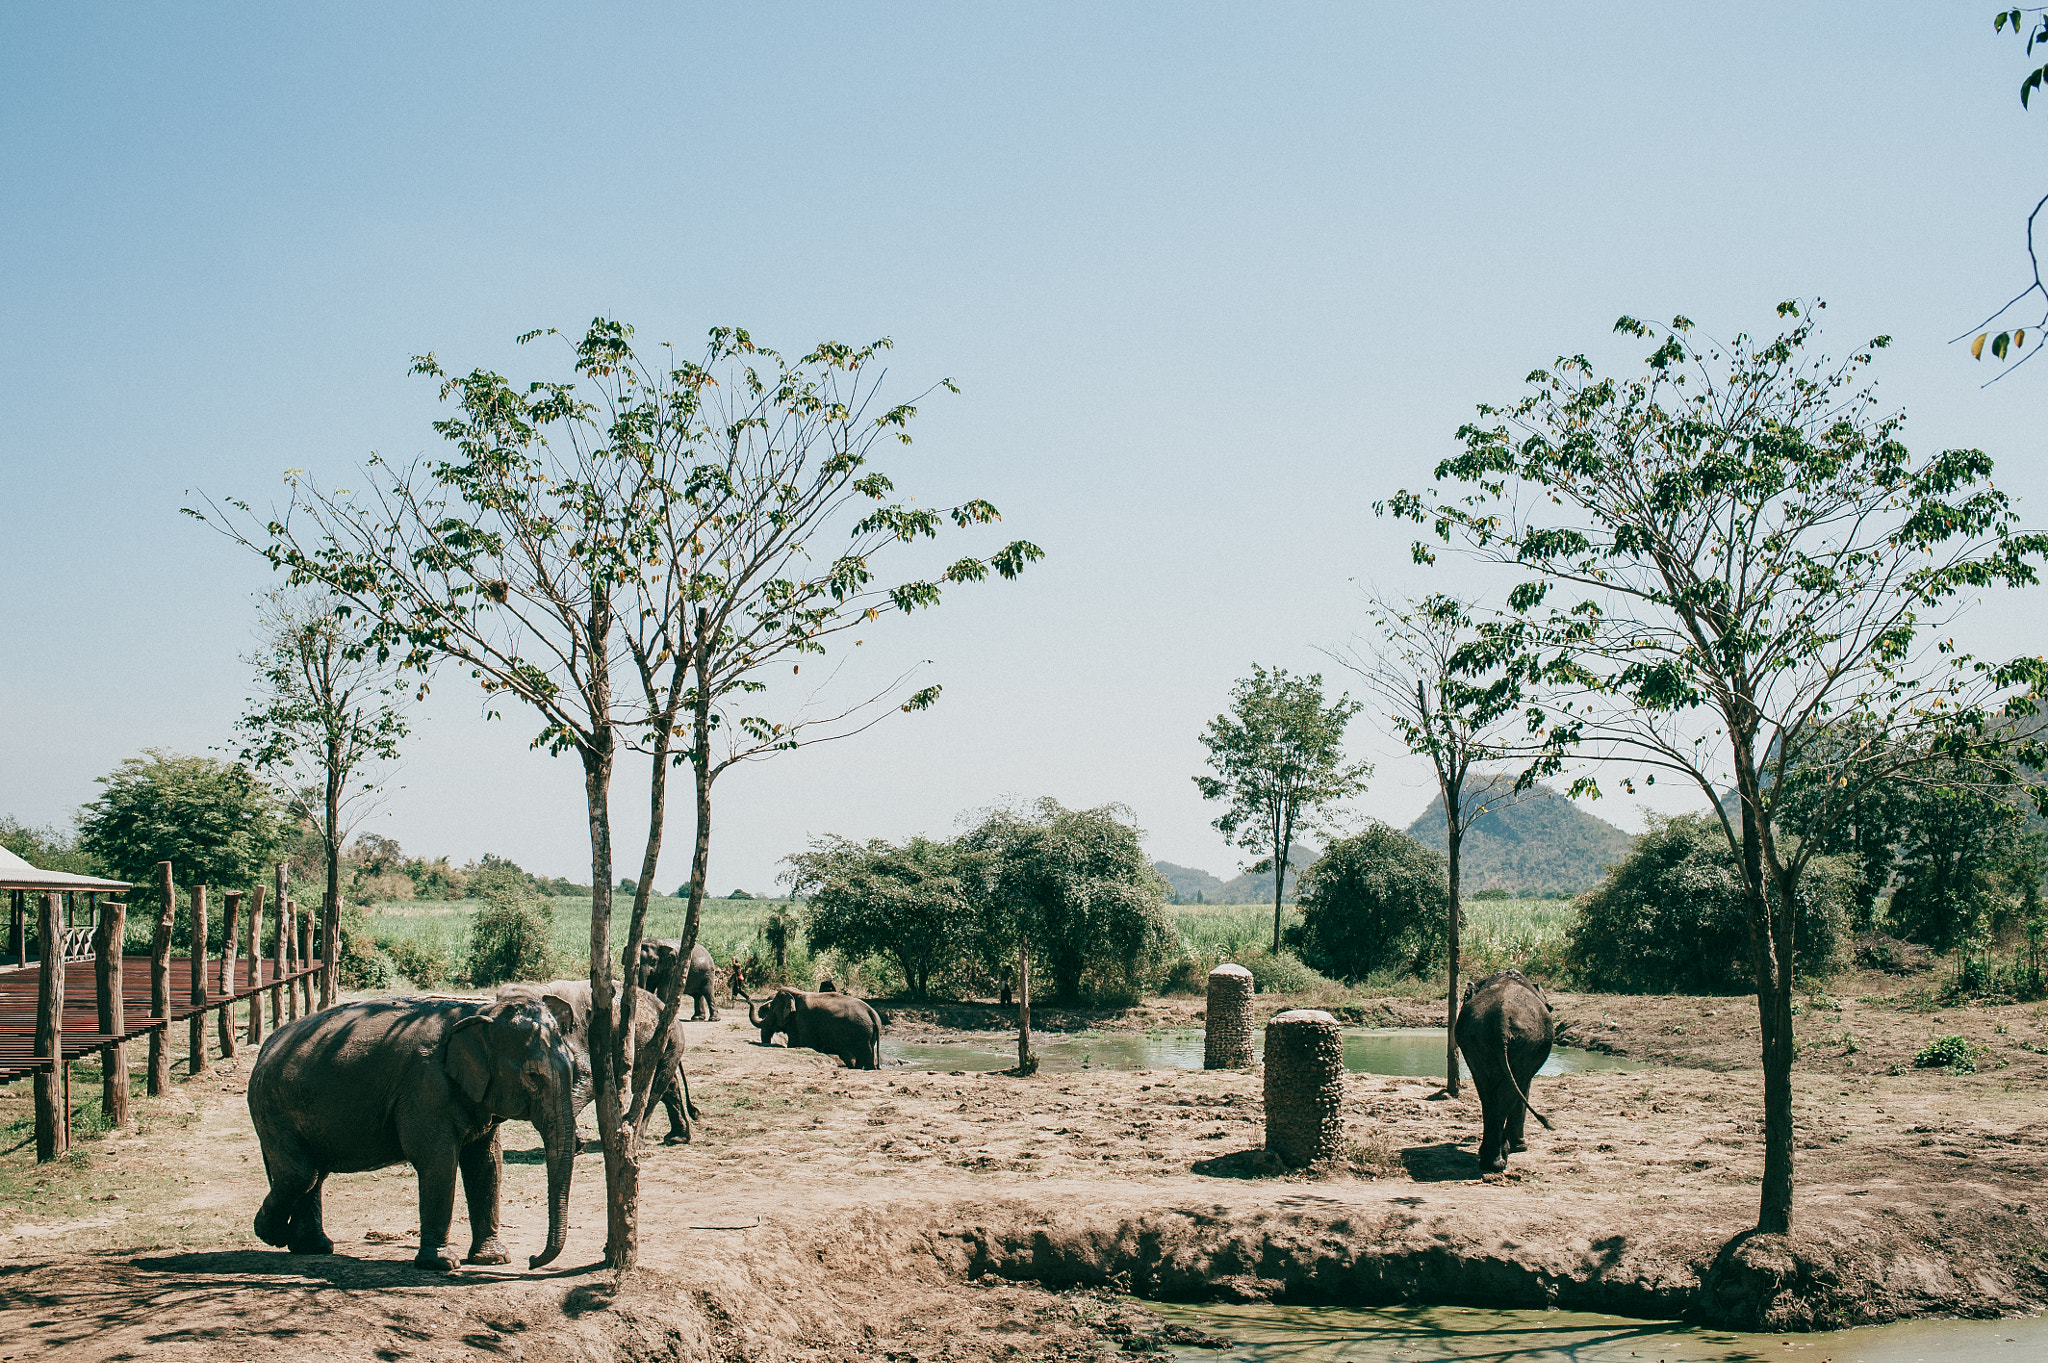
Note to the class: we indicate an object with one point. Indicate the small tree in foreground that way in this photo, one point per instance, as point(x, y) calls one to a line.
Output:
point(1721, 558)
point(1278, 753)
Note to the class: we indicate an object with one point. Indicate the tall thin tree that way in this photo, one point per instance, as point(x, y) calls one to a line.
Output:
point(1278, 754)
point(325, 714)
point(1450, 702)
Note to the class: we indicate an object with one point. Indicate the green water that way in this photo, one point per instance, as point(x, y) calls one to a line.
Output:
point(1408, 1050)
point(1322, 1334)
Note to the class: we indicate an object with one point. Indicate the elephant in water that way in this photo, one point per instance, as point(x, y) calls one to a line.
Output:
point(837, 1024)
point(671, 1087)
point(1504, 1033)
point(658, 962)
point(427, 1081)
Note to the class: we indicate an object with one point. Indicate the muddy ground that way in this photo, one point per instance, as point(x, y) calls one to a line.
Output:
point(825, 1213)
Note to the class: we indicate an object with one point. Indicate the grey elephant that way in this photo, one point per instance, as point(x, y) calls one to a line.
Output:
point(837, 1024)
point(1504, 1033)
point(658, 961)
point(426, 1081)
point(672, 1086)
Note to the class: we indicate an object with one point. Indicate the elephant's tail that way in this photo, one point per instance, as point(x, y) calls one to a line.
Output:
point(1510, 1070)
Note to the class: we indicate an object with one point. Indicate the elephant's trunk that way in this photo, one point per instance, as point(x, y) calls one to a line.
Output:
point(558, 1136)
point(754, 1017)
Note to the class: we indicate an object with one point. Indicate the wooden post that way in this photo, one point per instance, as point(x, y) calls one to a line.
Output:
point(106, 951)
point(51, 1126)
point(196, 1027)
point(160, 983)
point(1026, 1062)
point(279, 949)
point(305, 918)
point(256, 968)
point(230, 930)
point(330, 953)
point(291, 957)
point(17, 926)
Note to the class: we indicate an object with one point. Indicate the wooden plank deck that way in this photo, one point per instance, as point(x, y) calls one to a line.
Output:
point(82, 1035)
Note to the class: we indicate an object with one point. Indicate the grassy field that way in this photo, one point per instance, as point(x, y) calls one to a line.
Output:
point(1498, 933)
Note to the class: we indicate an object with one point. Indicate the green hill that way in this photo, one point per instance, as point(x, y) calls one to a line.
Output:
point(1543, 844)
point(1191, 885)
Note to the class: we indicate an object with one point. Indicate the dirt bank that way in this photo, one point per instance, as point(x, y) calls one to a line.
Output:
point(829, 1213)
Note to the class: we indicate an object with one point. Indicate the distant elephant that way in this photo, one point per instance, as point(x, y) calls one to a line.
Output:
point(658, 964)
point(837, 1024)
point(427, 1081)
point(1504, 1033)
point(646, 1012)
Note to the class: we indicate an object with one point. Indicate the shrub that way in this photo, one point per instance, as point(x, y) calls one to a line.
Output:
point(1374, 901)
point(1494, 892)
point(423, 964)
point(511, 938)
point(1282, 974)
point(358, 963)
point(1951, 1053)
point(1671, 916)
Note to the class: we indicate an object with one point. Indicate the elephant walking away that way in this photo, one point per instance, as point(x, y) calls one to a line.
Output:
point(671, 1086)
point(425, 1081)
point(837, 1024)
point(1504, 1033)
point(658, 962)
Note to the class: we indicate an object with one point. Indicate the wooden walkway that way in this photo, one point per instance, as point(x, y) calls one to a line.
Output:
point(82, 1036)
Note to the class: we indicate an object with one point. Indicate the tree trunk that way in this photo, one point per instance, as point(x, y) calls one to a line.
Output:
point(1774, 1006)
point(1026, 1062)
point(330, 922)
point(1451, 1077)
point(53, 1114)
point(655, 1059)
point(1282, 844)
point(160, 983)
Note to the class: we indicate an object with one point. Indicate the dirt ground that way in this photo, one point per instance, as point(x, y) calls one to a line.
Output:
point(825, 1213)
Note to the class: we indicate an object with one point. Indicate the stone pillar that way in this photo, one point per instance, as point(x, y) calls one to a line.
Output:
point(1227, 1033)
point(1304, 1086)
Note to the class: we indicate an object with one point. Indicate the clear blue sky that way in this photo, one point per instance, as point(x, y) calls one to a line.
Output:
point(1212, 279)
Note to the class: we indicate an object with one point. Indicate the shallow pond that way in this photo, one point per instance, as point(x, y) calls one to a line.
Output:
point(1406, 1050)
point(1418, 1334)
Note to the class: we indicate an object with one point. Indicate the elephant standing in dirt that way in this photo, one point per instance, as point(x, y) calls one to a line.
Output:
point(367, 1085)
point(1504, 1033)
point(837, 1024)
point(671, 1086)
point(658, 963)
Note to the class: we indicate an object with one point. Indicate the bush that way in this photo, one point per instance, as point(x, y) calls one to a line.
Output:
point(1951, 1053)
point(1375, 901)
point(1494, 893)
point(423, 964)
point(512, 938)
point(1282, 974)
point(358, 963)
point(1671, 916)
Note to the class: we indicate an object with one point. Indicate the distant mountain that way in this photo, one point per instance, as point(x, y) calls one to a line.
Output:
point(1189, 885)
point(1543, 844)
point(1192, 886)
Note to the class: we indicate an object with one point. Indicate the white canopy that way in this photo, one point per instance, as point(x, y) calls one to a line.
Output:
point(16, 874)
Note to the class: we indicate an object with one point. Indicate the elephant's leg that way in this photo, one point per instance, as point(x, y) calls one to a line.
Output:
point(291, 1175)
point(309, 1236)
point(703, 1002)
point(1525, 1076)
point(675, 1096)
point(436, 1170)
point(1494, 1126)
point(483, 1165)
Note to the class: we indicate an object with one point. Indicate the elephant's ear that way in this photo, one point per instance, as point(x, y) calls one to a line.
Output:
point(564, 1011)
point(469, 1057)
